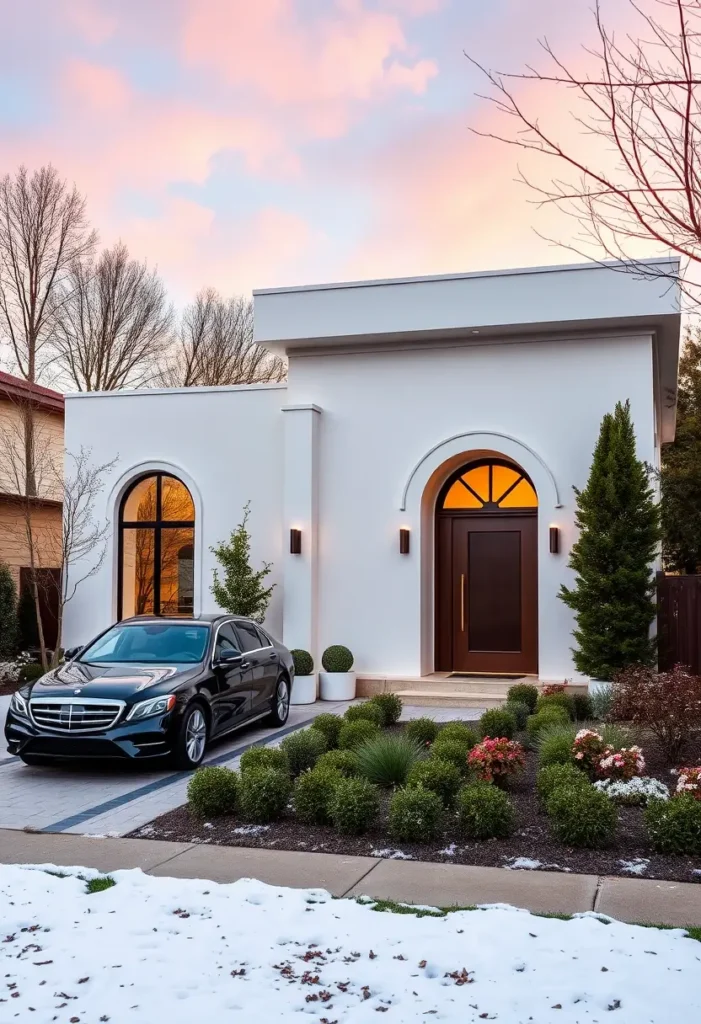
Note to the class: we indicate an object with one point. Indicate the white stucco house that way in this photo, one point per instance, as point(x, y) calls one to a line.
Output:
point(425, 447)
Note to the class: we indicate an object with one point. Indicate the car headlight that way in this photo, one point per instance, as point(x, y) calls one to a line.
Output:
point(19, 705)
point(155, 706)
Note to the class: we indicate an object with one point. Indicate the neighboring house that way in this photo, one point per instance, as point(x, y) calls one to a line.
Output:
point(41, 512)
point(425, 446)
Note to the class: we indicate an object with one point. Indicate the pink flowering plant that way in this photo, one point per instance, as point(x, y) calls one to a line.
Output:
point(588, 749)
point(621, 765)
point(688, 781)
point(497, 760)
point(552, 688)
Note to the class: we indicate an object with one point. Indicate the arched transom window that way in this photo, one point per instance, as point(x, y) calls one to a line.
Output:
point(156, 548)
point(489, 486)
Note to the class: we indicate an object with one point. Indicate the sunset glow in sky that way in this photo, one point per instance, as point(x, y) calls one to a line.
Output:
point(251, 143)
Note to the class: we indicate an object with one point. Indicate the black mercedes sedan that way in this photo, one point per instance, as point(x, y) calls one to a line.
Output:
point(153, 688)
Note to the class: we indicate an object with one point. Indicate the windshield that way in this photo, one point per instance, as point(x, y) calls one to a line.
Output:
point(168, 643)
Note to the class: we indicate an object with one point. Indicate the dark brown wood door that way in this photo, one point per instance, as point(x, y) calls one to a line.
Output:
point(487, 593)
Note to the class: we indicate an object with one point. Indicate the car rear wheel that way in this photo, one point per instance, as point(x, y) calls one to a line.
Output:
point(192, 738)
point(280, 708)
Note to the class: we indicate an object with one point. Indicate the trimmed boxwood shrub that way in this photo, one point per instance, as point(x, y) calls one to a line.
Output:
point(556, 700)
point(391, 707)
point(303, 662)
point(367, 712)
point(520, 711)
point(459, 731)
point(263, 794)
point(343, 761)
point(213, 791)
point(303, 749)
point(423, 730)
point(312, 794)
point(583, 707)
point(386, 759)
point(352, 734)
point(553, 776)
point(265, 757)
point(330, 726)
point(354, 805)
point(415, 815)
point(441, 777)
point(551, 715)
point(496, 723)
point(455, 751)
point(524, 693)
point(582, 816)
point(555, 742)
point(674, 826)
point(484, 812)
point(337, 659)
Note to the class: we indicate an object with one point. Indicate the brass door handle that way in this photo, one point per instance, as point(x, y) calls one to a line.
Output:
point(462, 602)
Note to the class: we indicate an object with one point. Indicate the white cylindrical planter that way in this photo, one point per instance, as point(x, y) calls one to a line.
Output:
point(304, 689)
point(337, 685)
point(599, 686)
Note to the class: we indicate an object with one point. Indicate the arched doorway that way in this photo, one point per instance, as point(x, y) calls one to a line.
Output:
point(156, 548)
point(487, 570)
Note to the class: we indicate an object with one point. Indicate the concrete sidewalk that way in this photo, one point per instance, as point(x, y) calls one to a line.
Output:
point(641, 901)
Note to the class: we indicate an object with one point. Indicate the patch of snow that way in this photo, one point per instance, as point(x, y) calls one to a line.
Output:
point(208, 824)
point(151, 949)
point(635, 867)
point(148, 830)
point(250, 830)
point(391, 854)
point(523, 864)
point(449, 851)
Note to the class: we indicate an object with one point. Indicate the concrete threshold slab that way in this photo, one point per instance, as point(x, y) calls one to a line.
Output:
point(651, 901)
point(65, 850)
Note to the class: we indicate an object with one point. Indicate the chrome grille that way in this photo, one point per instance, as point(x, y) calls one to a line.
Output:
point(75, 714)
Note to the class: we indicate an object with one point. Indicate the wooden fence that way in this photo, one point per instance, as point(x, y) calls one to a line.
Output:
point(679, 621)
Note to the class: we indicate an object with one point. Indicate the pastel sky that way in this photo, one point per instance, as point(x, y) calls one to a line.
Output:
point(252, 143)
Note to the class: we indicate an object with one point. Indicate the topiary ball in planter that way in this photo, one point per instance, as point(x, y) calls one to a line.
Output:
point(304, 687)
point(354, 733)
point(312, 794)
point(415, 815)
point(367, 712)
point(484, 812)
point(524, 693)
point(337, 659)
point(441, 777)
point(329, 726)
point(497, 723)
point(303, 662)
point(423, 730)
point(582, 816)
point(263, 794)
point(213, 791)
point(303, 749)
point(343, 761)
point(354, 805)
point(390, 706)
point(265, 757)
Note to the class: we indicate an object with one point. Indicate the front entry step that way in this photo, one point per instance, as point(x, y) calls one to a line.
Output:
point(435, 698)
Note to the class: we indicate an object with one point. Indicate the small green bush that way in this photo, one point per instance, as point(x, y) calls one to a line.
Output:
point(330, 726)
point(524, 693)
point(337, 659)
point(582, 816)
point(391, 707)
point(554, 743)
point(303, 662)
point(312, 794)
point(415, 815)
point(303, 749)
point(674, 826)
point(265, 757)
point(583, 707)
point(455, 751)
point(213, 791)
point(497, 722)
point(352, 734)
point(263, 794)
point(441, 777)
point(520, 711)
point(423, 730)
point(354, 805)
point(343, 761)
point(30, 672)
point(484, 812)
point(459, 731)
point(556, 700)
point(551, 715)
point(386, 759)
point(553, 776)
point(366, 712)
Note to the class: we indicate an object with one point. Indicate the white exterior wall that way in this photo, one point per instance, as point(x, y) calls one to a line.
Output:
point(225, 444)
point(383, 412)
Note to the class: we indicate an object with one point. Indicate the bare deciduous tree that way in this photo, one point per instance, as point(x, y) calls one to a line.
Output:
point(632, 172)
point(215, 346)
point(113, 323)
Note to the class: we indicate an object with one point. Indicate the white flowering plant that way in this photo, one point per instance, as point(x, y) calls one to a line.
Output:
point(10, 670)
point(633, 792)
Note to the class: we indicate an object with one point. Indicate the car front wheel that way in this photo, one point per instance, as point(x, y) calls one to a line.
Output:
point(191, 742)
point(280, 708)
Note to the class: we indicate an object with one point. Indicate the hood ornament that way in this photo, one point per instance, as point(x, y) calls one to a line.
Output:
point(77, 692)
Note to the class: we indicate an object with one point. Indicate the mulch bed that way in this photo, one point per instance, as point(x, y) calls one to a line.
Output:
point(531, 839)
point(7, 688)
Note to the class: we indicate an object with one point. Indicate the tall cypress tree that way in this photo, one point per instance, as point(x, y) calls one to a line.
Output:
point(618, 521)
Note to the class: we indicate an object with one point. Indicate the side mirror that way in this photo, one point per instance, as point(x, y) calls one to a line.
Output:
point(229, 657)
point(71, 652)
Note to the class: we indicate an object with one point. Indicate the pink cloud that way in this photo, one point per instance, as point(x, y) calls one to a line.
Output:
point(90, 20)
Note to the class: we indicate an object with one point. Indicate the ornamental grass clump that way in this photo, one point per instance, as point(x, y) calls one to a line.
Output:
point(524, 693)
point(353, 734)
point(354, 806)
point(554, 744)
point(536, 723)
point(415, 815)
point(303, 749)
point(390, 706)
point(484, 812)
point(497, 760)
point(554, 776)
point(213, 791)
point(666, 703)
point(441, 777)
point(582, 816)
point(424, 730)
point(312, 794)
point(633, 793)
point(263, 794)
point(343, 761)
point(366, 712)
point(674, 826)
point(265, 757)
point(329, 726)
point(497, 722)
point(387, 759)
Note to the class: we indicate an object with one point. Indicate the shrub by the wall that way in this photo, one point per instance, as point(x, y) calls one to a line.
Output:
point(556, 700)
point(367, 712)
point(582, 816)
point(554, 744)
point(213, 791)
point(497, 722)
point(520, 711)
point(343, 761)
point(536, 723)
point(330, 726)
point(354, 806)
point(312, 794)
point(352, 734)
point(524, 693)
point(484, 812)
point(386, 759)
point(415, 815)
point(303, 749)
point(674, 826)
point(441, 777)
point(423, 730)
point(554, 776)
point(391, 707)
point(303, 662)
point(337, 659)
point(265, 757)
point(263, 794)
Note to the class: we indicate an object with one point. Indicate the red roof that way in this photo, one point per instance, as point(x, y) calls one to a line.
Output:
point(22, 390)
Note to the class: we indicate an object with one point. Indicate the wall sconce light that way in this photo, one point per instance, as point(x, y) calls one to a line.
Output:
point(554, 540)
point(295, 542)
point(404, 544)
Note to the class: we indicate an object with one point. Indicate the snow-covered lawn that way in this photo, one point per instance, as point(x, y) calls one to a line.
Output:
point(152, 950)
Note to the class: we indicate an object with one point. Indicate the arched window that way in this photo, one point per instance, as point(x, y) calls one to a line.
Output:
point(488, 486)
point(156, 548)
